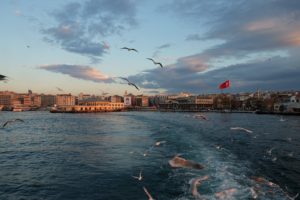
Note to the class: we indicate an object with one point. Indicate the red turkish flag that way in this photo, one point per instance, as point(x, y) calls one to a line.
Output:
point(224, 85)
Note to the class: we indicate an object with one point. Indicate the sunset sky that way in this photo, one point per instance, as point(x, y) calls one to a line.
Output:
point(75, 45)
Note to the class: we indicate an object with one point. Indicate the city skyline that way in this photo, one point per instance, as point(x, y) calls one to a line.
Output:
point(76, 45)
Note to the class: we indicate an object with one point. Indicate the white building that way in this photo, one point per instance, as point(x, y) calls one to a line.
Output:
point(127, 101)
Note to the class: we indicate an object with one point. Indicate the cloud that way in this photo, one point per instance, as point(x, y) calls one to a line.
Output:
point(164, 46)
point(79, 72)
point(244, 26)
point(193, 37)
point(79, 27)
point(157, 52)
point(278, 73)
point(246, 29)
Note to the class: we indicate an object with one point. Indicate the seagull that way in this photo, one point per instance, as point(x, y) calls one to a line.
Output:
point(196, 182)
point(2, 77)
point(281, 119)
point(269, 152)
point(148, 194)
point(178, 162)
point(130, 49)
point(294, 197)
point(10, 121)
point(159, 143)
point(253, 193)
point(200, 117)
point(104, 93)
point(261, 180)
point(156, 63)
point(59, 89)
point(242, 129)
point(226, 194)
point(291, 154)
point(138, 177)
point(148, 150)
point(129, 83)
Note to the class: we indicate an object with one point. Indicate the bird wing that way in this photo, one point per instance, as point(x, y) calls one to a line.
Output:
point(125, 48)
point(248, 131)
point(20, 120)
point(151, 60)
point(135, 86)
point(5, 124)
point(59, 89)
point(134, 50)
point(160, 65)
point(2, 77)
point(124, 79)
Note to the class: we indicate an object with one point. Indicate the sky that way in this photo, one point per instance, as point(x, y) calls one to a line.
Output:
point(75, 45)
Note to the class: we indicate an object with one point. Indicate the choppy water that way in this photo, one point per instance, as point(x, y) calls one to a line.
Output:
point(94, 156)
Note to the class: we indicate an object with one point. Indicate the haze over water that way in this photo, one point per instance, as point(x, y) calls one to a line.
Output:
point(94, 156)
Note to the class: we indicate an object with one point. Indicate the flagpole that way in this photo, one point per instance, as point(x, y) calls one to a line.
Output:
point(230, 101)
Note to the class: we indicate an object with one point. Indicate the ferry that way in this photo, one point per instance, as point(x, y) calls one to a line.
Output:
point(17, 110)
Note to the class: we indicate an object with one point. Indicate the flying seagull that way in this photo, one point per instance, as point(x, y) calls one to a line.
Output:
point(129, 83)
point(199, 116)
point(130, 49)
point(59, 89)
point(269, 152)
point(148, 194)
point(10, 121)
point(242, 129)
point(178, 162)
point(195, 182)
point(156, 63)
point(2, 77)
point(160, 142)
point(104, 93)
point(138, 177)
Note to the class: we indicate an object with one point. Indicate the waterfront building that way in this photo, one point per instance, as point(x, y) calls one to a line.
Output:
point(162, 98)
point(37, 100)
point(83, 96)
point(129, 100)
point(291, 106)
point(116, 99)
point(142, 101)
point(17, 102)
point(90, 105)
point(153, 101)
point(204, 102)
point(47, 100)
point(65, 100)
point(6, 98)
point(27, 102)
point(180, 95)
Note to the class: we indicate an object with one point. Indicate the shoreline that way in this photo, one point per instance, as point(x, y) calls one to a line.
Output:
point(166, 110)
